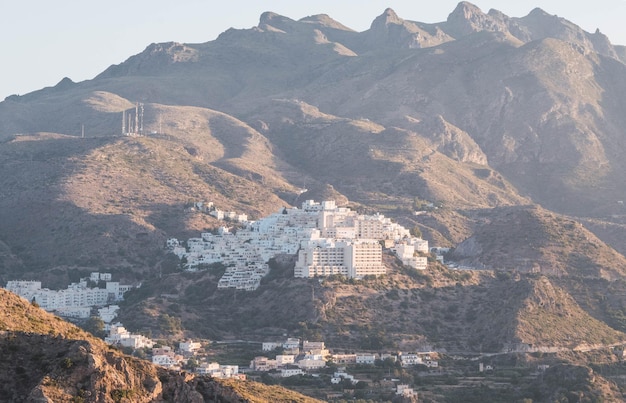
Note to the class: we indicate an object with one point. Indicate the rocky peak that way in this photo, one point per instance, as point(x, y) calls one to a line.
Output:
point(271, 20)
point(538, 13)
point(465, 11)
point(390, 30)
point(268, 17)
point(602, 44)
point(386, 18)
point(542, 25)
point(325, 20)
point(155, 58)
point(468, 18)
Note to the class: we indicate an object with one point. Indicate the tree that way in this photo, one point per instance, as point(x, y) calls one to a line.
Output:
point(95, 326)
point(192, 364)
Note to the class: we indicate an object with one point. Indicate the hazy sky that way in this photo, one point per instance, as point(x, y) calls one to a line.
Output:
point(44, 40)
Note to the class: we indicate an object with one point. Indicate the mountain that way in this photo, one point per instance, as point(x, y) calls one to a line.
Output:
point(531, 239)
point(47, 359)
point(477, 112)
point(500, 137)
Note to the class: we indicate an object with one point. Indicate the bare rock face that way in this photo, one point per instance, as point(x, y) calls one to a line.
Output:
point(156, 58)
point(390, 30)
point(46, 359)
point(453, 142)
point(467, 18)
point(540, 24)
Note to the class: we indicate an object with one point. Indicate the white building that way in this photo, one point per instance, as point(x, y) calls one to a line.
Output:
point(312, 345)
point(353, 259)
point(269, 345)
point(25, 289)
point(405, 391)
point(311, 363)
point(96, 277)
point(406, 250)
point(70, 301)
point(287, 372)
point(117, 290)
point(410, 359)
point(165, 360)
point(367, 359)
point(119, 335)
point(208, 368)
point(291, 343)
point(328, 240)
point(339, 376)
point(189, 346)
point(263, 364)
point(229, 370)
point(285, 359)
point(108, 313)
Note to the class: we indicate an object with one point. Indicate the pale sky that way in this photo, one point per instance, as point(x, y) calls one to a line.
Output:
point(44, 40)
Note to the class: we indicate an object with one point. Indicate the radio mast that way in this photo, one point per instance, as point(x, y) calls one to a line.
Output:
point(136, 118)
point(141, 120)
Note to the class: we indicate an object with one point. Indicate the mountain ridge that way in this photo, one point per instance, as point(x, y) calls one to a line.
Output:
point(495, 136)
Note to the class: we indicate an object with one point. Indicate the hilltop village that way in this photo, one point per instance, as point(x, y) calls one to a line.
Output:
point(322, 238)
point(327, 240)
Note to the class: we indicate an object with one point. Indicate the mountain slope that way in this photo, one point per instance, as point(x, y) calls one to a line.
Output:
point(531, 239)
point(117, 198)
point(539, 98)
point(47, 359)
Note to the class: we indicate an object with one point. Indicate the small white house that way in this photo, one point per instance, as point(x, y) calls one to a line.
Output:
point(189, 346)
point(287, 372)
point(270, 345)
point(164, 360)
point(367, 359)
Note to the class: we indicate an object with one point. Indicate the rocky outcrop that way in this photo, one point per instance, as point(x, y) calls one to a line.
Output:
point(452, 141)
point(48, 360)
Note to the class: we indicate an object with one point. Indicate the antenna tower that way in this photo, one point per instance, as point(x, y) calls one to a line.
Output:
point(136, 118)
point(141, 119)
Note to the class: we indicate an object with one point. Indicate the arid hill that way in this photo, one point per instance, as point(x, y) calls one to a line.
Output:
point(478, 111)
point(463, 311)
point(500, 137)
point(47, 359)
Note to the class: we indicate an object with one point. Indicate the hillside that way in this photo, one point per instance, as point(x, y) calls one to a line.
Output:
point(531, 239)
point(48, 359)
point(469, 311)
point(499, 111)
point(491, 117)
point(497, 136)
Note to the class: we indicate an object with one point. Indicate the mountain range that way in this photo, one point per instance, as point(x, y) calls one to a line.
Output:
point(506, 133)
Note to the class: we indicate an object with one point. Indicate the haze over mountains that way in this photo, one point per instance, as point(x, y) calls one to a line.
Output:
point(506, 123)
